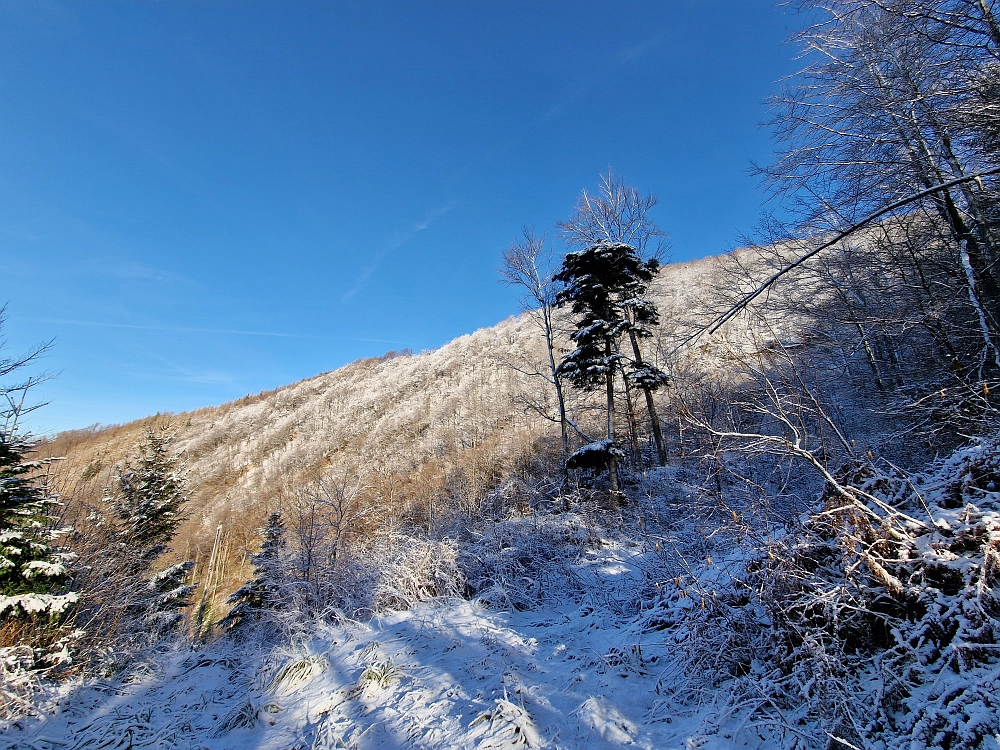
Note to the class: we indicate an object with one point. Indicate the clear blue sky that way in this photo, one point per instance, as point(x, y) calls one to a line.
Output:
point(200, 200)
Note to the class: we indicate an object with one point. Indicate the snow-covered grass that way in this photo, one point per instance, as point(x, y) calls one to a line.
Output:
point(658, 625)
point(580, 667)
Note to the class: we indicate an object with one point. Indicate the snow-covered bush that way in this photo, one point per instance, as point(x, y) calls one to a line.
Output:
point(325, 569)
point(595, 456)
point(411, 569)
point(875, 618)
point(168, 592)
point(508, 564)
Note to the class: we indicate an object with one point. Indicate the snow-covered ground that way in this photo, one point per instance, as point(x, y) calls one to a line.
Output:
point(660, 635)
point(577, 671)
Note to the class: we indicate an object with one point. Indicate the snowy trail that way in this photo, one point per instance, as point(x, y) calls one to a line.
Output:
point(568, 674)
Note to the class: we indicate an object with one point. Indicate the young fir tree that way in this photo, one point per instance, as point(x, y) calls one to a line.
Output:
point(147, 501)
point(148, 498)
point(264, 591)
point(166, 593)
point(605, 284)
point(31, 569)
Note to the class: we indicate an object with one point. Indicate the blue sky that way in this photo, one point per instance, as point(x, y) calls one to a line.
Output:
point(200, 200)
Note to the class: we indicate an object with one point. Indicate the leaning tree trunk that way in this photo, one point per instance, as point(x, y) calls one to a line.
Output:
point(982, 287)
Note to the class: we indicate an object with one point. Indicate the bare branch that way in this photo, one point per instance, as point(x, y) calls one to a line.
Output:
point(735, 309)
point(619, 213)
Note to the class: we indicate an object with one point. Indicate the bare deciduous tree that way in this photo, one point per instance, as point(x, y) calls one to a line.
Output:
point(617, 213)
point(326, 519)
point(528, 264)
point(898, 98)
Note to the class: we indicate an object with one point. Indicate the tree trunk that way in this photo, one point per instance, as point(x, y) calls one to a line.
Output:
point(612, 461)
point(991, 22)
point(982, 286)
point(633, 428)
point(563, 421)
point(654, 419)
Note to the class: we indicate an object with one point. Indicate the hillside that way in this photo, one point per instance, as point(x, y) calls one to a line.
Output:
point(410, 431)
point(819, 550)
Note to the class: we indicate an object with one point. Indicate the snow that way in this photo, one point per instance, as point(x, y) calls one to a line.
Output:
point(576, 672)
point(604, 643)
point(600, 446)
point(34, 603)
point(44, 568)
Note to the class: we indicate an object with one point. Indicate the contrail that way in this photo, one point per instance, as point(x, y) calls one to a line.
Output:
point(184, 329)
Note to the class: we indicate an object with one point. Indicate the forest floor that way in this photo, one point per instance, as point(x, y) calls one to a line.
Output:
point(582, 669)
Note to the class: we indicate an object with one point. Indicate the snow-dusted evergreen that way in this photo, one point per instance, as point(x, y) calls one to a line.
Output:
point(36, 568)
point(266, 591)
point(33, 570)
point(604, 286)
point(619, 214)
point(147, 505)
point(147, 498)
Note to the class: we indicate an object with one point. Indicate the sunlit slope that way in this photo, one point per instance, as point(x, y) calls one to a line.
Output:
point(416, 432)
point(378, 417)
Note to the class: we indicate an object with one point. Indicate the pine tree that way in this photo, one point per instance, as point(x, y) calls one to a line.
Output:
point(618, 213)
point(148, 498)
point(264, 591)
point(30, 567)
point(147, 502)
point(605, 284)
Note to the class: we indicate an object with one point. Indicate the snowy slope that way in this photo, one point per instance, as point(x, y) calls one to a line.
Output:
point(449, 422)
point(390, 417)
point(597, 659)
point(577, 671)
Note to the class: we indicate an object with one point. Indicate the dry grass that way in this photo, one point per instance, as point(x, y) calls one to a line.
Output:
point(427, 435)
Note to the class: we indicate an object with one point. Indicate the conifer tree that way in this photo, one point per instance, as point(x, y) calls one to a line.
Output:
point(148, 498)
point(605, 284)
point(147, 502)
point(264, 591)
point(618, 213)
point(166, 593)
point(30, 567)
